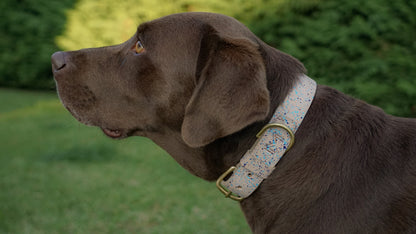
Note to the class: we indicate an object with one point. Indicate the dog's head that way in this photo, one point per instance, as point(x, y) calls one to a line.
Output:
point(200, 74)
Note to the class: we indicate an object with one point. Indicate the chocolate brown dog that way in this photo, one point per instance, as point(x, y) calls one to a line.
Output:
point(201, 86)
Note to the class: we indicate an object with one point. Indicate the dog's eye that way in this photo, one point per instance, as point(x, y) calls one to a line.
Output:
point(139, 47)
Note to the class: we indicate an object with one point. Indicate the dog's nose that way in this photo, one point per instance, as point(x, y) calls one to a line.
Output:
point(58, 60)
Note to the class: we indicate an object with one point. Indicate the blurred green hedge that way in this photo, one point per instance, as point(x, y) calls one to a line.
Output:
point(28, 31)
point(364, 48)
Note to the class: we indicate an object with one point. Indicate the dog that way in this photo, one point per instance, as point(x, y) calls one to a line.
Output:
point(202, 86)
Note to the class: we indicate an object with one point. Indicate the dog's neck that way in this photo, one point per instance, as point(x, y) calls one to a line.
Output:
point(274, 140)
point(211, 161)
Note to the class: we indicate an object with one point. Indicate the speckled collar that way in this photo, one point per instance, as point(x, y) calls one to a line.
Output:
point(273, 141)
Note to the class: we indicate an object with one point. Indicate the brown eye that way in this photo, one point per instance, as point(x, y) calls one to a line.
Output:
point(139, 47)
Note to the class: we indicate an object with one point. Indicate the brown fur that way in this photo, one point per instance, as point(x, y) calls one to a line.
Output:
point(205, 86)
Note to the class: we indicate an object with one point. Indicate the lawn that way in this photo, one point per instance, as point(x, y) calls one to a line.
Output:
point(59, 176)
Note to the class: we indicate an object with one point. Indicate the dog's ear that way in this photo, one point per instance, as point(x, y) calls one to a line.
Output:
point(231, 89)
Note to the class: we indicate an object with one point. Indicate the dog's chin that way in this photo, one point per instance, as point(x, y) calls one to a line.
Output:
point(112, 132)
point(77, 116)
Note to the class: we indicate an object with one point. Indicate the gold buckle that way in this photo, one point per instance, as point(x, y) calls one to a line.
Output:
point(228, 194)
point(276, 125)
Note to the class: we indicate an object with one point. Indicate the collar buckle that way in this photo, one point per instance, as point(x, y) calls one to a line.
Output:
point(227, 193)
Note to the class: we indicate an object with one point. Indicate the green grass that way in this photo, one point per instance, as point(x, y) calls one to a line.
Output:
point(58, 176)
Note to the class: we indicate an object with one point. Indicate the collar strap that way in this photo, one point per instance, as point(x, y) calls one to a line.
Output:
point(274, 140)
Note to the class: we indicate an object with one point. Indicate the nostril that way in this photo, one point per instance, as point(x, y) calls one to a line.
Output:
point(58, 60)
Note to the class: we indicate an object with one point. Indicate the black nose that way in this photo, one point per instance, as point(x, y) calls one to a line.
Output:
point(58, 60)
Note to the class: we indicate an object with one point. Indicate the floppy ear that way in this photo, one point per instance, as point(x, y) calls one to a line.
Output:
point(231, 90)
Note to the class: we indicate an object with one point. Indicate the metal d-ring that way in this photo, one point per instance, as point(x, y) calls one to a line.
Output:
point(276, 125)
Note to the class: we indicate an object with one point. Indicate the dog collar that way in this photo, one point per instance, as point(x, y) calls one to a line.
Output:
point(274, 140)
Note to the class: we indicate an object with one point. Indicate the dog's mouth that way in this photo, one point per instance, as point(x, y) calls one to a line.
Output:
point(113, 133)
point(110, 132)
point(122, 133)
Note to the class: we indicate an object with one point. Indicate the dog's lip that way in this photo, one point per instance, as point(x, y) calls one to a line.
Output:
point(113, 133)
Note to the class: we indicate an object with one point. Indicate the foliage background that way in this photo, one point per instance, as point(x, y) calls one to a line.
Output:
point(27, 40)
point(364, 48)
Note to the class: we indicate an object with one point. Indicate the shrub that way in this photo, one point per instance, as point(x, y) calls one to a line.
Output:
point(364, 48)
point(27, 41)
